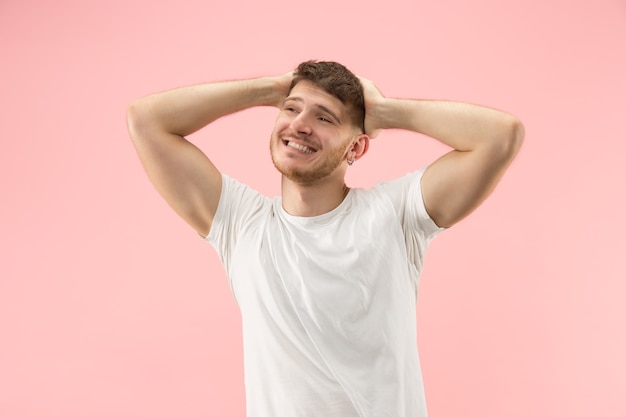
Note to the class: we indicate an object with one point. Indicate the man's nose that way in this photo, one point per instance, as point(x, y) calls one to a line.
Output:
point(301, 124)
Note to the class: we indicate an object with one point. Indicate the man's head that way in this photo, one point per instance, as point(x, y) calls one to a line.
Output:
point(319, 130)
point(339, 82)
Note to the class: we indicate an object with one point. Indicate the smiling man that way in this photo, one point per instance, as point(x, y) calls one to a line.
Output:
point(325, 275)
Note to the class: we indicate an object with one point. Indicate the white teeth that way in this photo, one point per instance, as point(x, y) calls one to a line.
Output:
point(302, 148)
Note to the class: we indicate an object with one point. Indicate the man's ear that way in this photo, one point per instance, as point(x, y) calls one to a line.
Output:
point(361, 145)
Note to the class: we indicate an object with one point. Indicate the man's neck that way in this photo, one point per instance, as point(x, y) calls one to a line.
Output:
point(312, 200)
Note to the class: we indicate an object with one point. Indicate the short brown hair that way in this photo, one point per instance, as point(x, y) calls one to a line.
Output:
point(338, 81)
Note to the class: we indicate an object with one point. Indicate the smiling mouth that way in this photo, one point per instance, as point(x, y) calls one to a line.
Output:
point(301, 148)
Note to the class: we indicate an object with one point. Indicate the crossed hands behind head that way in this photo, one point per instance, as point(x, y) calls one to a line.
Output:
point(372, 95)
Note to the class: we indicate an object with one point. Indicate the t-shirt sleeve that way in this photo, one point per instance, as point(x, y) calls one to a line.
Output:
point(419, 228)
point(237, 206)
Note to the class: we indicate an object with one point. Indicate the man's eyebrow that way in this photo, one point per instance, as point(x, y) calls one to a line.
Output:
point(327, 110)
point(319, 106)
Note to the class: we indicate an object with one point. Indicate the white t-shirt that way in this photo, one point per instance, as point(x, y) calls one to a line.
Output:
point(328, 302)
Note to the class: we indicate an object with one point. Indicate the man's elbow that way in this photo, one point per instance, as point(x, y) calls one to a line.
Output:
point(511, 138)
point(517, 134)
point(137, 119)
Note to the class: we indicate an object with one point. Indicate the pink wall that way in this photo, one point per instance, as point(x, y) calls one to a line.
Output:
point(111, 306)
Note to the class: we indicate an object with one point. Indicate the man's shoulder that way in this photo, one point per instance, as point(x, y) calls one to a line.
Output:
point(396, 187)
point(239, 200)
point(237, 188)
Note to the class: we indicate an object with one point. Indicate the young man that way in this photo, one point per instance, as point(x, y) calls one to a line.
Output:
point(325, 276)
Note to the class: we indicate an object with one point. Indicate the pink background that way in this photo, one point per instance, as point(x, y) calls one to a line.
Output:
point(111, 306)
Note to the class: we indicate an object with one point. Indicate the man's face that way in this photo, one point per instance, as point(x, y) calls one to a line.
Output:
point(312, 135)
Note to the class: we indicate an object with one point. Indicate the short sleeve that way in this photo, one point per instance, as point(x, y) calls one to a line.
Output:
point(419, 228)
point(237, 206)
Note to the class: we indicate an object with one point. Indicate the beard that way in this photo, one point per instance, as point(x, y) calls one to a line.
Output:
point(313, 173)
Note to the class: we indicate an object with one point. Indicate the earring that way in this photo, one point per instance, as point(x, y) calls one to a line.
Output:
point(351, 161)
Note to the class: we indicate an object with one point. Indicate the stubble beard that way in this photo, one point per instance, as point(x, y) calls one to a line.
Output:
point(313, 174)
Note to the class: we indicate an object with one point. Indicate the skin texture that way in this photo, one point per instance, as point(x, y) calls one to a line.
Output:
point(484, 143)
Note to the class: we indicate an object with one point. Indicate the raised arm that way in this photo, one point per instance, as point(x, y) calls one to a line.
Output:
point(182, 174)
point(485, 141)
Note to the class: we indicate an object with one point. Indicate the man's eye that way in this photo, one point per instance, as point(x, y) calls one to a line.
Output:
point(325, 120)
point(291, 109)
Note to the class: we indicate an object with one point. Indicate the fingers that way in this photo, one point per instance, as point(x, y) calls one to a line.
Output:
point(282, 84)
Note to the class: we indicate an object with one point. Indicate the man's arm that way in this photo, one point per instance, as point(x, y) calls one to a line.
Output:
point(182, 174)
point(485, 141)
